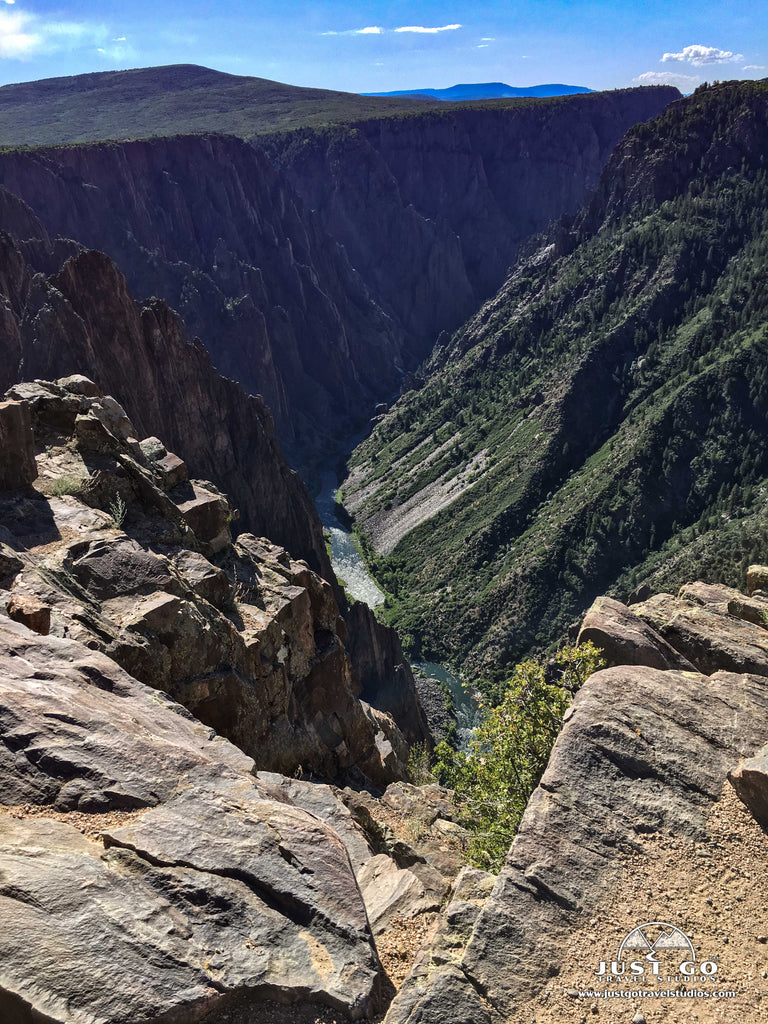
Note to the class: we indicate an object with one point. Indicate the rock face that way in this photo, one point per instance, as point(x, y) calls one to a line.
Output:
point(643, 751)
point(195, 882)
point(316, 270)
point(83, 319)
point(449, 195)
point(117, 555)
point(208, 224)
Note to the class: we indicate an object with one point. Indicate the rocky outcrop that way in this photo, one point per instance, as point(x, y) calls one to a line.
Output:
point(644, 752)
point(142, 844)
point(115, 549)
point(625, 639)
point(709, 634)
point(83, 319)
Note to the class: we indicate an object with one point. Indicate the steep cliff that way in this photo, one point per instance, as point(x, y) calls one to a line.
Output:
point(448, 195)
point(111, 544)
point(82, 318)
point(602, 419)
point(206, 224)
point(318, 267)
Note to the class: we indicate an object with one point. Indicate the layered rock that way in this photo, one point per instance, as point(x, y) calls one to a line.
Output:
point(194, 882)
point(83, 319)
point(125, 555)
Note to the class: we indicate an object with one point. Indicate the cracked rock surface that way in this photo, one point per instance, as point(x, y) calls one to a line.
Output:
point(216, 886)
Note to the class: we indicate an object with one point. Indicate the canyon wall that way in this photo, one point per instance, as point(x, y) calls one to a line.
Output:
point(318, 267)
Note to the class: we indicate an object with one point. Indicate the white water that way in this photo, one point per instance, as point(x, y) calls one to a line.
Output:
point(345, 558)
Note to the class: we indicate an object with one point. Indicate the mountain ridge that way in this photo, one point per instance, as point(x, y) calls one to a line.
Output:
point(486, 91)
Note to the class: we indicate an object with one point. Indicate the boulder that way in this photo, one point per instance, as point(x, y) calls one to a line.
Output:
point(711, 639)
point(750, 780)
point(641, 751)
point(193, 885)
point(625, 639)
point(77, 384)
point(757, 578)
point(17, 446)
point(30, 612)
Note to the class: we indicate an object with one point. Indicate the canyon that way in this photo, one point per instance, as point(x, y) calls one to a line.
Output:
point(209, 753)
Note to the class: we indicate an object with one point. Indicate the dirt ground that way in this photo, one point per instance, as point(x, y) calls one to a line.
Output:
point(716, 893)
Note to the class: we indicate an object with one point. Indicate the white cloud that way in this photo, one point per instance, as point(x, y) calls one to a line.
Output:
point(427, 31)
point(370, 30)
point(488, 39)
point(754, 67)
point(482, 46)
point(699, 55)
point(685, 83)
point(23, 35)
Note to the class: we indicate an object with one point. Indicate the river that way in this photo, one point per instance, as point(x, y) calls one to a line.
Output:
point(349, 567)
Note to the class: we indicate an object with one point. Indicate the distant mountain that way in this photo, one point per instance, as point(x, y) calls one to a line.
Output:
point(483, 91)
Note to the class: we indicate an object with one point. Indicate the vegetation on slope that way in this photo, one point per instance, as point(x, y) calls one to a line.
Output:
point(602, 418)
point(183, 99)
point(509, 751)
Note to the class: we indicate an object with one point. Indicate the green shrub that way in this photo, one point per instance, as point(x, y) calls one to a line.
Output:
point(494, 779)
point(68, 484)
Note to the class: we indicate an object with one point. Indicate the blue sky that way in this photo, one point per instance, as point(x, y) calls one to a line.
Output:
point(375, 46)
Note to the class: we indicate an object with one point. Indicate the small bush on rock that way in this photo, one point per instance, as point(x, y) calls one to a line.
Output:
point(507, 756)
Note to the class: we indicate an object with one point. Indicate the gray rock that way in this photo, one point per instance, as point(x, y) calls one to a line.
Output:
point(17, 446)
point(642, 750)
point(389, 891)
point(209, 890)
point(625, 639)
point(708, 637)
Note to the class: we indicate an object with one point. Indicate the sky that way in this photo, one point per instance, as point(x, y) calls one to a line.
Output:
point(361, 46)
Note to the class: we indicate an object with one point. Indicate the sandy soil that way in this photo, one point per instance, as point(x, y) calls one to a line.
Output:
point(716, 893)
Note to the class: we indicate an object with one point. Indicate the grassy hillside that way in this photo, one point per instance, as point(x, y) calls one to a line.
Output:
point(600, 422)
point(183, 99)
point(178, 99)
